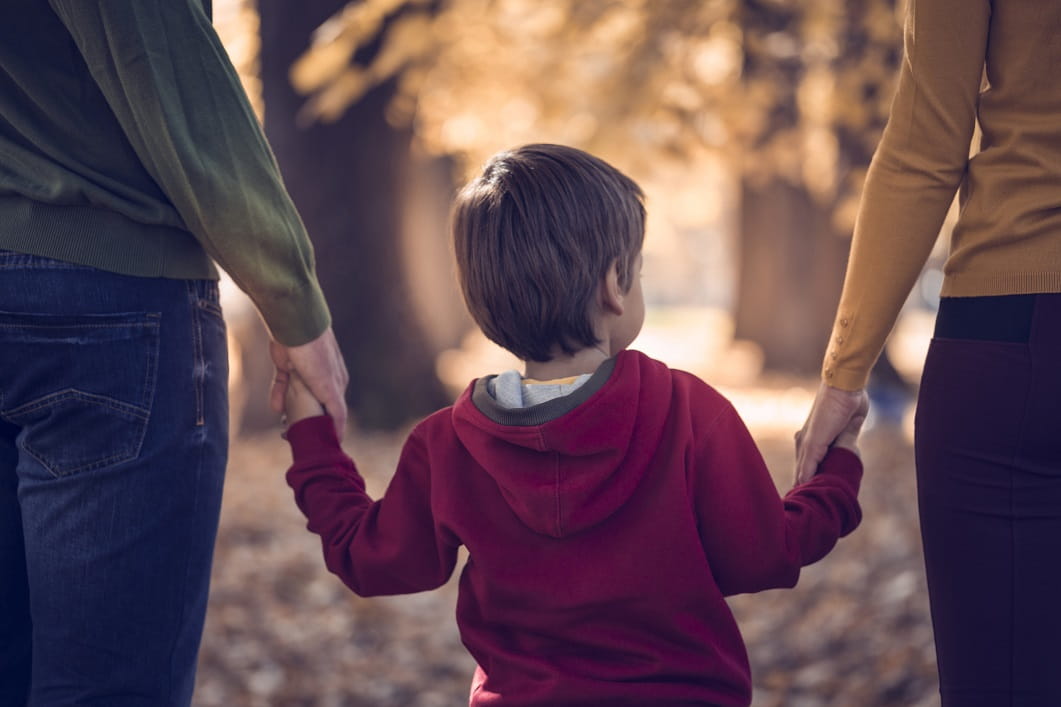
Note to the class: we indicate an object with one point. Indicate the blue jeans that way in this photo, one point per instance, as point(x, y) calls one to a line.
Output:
point(113, 443)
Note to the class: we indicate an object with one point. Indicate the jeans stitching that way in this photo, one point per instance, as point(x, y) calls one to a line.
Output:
point(147, 394)
point(96, 464)
point(199, 363)
point(126, 454)
point(79, 326)
point(210, 299)
point(137, 411)
point(212, 308)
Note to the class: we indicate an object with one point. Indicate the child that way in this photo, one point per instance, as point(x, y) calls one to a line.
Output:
point(608, 503)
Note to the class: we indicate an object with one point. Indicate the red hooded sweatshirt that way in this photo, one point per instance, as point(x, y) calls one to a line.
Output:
point(603, 530)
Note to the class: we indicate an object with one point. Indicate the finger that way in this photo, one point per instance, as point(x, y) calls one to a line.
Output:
point(807, 464)
point(277, 392)
point(798, 438)
point(338, 417)
point(279, 355)
point(331, 397)
point(338, 414)
point(337, 410)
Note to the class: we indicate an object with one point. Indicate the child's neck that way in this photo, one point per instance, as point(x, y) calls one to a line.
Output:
point(567, 365)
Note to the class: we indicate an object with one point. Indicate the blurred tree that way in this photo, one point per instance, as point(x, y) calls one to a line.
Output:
point(817, 79)
point(347, 177)
point(793, 93)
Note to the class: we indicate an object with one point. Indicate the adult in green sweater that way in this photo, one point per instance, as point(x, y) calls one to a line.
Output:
point(130, 163)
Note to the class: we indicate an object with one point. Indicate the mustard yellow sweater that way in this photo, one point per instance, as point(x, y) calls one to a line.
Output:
point(996, 62)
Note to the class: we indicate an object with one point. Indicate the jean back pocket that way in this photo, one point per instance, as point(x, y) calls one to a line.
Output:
point(79, 386)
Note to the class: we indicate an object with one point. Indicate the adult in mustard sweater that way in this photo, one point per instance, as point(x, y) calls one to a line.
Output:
point(130, 163)
point(988, 440)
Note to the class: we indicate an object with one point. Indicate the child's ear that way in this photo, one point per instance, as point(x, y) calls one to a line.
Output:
point(612, 296)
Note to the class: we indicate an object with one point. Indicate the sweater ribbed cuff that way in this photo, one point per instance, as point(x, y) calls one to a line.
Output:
point(297, 318)
point(847, 379)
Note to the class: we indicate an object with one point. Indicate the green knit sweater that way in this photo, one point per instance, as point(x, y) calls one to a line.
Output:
point(127, 144)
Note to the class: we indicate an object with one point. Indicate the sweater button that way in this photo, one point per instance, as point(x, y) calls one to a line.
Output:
point(843, 322)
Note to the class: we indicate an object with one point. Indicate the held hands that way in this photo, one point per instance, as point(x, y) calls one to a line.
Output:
point(299, 402)
point(848, 437)
point(835, 418)
point(320, 366)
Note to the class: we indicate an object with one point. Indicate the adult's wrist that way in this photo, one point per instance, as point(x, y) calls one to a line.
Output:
point(298, 318)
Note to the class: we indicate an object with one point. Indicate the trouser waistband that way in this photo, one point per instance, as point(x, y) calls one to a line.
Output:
point(991, 318)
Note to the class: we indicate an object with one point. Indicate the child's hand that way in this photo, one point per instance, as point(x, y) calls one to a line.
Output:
point(848, 438)
point(299, 403)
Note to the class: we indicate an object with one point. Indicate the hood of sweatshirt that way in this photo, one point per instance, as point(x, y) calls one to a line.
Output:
point(570, 463)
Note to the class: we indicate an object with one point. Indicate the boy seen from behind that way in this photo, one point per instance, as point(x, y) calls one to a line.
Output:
point(608, 503)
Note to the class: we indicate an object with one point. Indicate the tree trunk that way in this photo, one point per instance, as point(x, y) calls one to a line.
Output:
point(791, 272)
point(792, 256)
point(347, 179)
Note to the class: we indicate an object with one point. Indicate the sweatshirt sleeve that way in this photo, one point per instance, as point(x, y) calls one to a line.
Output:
point(912, 179)
point(389, 546)
point(753, 538)
point(171, 86)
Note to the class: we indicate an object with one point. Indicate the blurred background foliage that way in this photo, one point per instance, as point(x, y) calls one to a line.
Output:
point(778, 88)
point(750, 123)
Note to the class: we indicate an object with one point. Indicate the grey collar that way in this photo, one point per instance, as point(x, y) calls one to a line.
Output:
point(544, 412)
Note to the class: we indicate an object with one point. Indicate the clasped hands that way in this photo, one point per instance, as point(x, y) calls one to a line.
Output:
point(835, 419)
point(307, 374)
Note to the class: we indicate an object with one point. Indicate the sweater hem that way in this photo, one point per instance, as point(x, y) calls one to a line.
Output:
point(1009, 283)
point(102, 239)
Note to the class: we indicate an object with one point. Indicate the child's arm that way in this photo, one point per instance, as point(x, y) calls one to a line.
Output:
point(390, 546)
point(753, 538)
point(299, 402)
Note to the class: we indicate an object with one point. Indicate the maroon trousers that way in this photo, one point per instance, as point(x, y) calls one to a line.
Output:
point(988, 445)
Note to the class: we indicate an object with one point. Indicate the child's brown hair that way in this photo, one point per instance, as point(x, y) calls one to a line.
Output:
point(535, 234)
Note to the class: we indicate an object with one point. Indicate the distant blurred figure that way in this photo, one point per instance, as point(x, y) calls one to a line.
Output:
point(989, 413)
point(129, 158)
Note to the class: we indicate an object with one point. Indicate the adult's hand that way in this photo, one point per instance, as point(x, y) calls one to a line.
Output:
point(320, 365)
point(832, 412)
